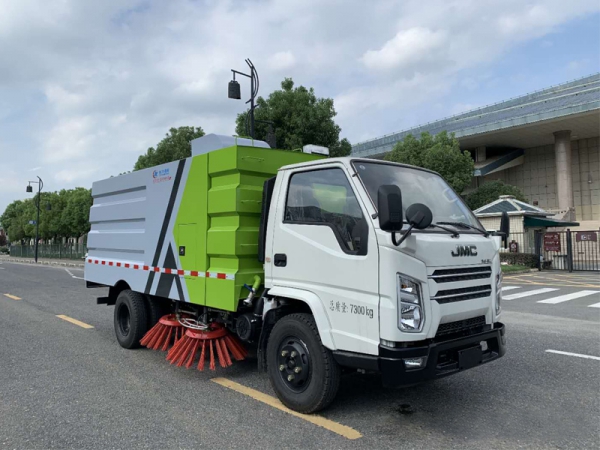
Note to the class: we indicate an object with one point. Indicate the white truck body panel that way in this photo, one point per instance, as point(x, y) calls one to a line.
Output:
point(128, 227)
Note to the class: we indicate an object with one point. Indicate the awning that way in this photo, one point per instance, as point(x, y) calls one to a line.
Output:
point(530, 221)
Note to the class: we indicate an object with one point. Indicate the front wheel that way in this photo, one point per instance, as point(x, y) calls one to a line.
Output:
point(302, 371)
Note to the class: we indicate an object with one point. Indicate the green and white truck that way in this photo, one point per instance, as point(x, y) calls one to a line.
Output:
point(323, 265)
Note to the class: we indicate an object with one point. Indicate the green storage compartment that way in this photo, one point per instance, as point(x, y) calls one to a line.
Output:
point(222, 203)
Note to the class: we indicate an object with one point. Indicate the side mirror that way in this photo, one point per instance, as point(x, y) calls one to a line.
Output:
point(389, 205)
point(419, 216)
point(504, 227)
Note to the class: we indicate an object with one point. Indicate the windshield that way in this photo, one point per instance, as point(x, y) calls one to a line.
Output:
point(417, 186)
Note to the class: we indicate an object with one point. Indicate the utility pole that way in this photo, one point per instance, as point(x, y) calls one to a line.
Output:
point(235, 91)
point(40, 184)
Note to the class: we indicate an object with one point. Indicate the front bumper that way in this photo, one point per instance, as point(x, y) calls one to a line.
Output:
point(443, 358)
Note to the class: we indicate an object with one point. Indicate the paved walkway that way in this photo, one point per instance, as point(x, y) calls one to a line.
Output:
point(44, 261)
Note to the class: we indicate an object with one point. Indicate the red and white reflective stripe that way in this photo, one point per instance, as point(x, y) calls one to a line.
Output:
point(189, 273)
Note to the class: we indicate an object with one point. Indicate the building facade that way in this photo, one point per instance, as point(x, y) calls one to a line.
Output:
point(546, 143)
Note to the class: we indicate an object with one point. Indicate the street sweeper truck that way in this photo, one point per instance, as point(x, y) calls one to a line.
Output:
point(317, 265)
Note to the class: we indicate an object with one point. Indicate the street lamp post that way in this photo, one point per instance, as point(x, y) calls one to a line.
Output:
point(235, 91)
point(40, 184)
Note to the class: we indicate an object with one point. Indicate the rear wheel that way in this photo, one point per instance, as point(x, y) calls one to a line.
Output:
point(130, 319)
point(303, 373)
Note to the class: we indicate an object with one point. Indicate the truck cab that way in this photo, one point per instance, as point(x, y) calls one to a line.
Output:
point(423, 309)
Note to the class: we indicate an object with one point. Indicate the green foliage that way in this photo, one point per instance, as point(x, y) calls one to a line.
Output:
point(176, 145)
point(62, 214)
point(491, 191)
point(12, 220)
point(519, 259)
point(299, 118)
point(3, 249)
point(515, 268)
point(440, 153)
point(76, 212)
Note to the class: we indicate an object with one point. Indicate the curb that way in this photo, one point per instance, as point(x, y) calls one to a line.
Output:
point(42, 263)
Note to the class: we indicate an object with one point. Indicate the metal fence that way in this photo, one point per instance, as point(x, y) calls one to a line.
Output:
point(570, 250)
point(561, 250)
point(57, 251)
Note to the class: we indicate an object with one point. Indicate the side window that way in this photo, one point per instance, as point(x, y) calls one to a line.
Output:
point(325, 197)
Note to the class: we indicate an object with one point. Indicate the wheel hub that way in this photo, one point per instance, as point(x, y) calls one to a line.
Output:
point(294, 364)
point(124, 319)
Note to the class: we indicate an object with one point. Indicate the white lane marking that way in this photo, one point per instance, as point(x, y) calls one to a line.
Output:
point(567, 297)
point(509, 288)
point(579, 355)
point(73, 276)
point(528, 293)
point(595, 305)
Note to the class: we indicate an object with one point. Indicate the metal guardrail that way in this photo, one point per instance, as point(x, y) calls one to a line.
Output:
point(55, 251)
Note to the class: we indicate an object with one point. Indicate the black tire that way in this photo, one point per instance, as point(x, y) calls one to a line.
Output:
point(321, 374)
point(156, 309)
point(131, 318)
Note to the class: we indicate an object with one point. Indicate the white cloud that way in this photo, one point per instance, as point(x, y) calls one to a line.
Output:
point(281, 61)
point(578, 64)
point(85, 87)
point(409, 50)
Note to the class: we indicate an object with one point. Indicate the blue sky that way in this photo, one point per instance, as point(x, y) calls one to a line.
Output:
point(85, 87)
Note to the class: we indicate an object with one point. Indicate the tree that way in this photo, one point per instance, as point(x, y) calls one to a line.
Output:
point(176, 145)
point(67, 217)
point(76, 213)
point(298, 118)
point(491, 191)
point(11, 220)
point(440, 153)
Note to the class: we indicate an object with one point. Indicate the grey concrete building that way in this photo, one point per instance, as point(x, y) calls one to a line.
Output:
point(545, 142)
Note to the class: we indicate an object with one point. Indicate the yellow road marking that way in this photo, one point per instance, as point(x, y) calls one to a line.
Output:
point(74, 321)
point(342, 430)
point(541, 281)
point(14, 297)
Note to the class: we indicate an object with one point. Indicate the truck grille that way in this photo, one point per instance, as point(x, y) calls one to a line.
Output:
point(460, 326)
point(461, 274)
point(457, 295)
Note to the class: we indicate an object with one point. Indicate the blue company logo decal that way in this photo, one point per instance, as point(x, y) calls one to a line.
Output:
point(161, 175)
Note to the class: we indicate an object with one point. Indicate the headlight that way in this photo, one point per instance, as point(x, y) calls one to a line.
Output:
point(499, 292)
point(410, 305)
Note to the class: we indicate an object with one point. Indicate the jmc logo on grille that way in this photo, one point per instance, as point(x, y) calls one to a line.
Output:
point(465, 250)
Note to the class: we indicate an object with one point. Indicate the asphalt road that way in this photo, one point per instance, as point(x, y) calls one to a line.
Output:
point(64, 386)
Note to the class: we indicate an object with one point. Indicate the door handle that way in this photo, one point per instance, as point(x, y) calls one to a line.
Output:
point(280, 260)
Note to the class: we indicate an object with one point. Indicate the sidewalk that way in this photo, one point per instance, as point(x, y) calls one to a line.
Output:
point(44, 261)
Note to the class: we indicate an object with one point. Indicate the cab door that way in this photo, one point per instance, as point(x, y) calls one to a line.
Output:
point(324, 243)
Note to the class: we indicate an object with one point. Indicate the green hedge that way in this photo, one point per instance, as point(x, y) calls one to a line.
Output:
point(521, 259)
point(3, 250)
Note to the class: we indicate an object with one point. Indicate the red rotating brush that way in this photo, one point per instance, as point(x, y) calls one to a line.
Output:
point(216, 339)
point(160, 335)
